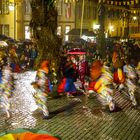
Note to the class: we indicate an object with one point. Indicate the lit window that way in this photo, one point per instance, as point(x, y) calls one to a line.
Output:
point(11, 6)
point(27, 7)
point(67, 29)
point(59, 30)
point(27, 32)
point(137, 1)
point(4, 29)
point(4, 6)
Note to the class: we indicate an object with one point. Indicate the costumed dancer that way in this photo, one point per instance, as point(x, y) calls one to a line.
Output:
point(117, 59)
point(82, 71)
point(74, 64)
point(131, 81)
point(67, 84)
point(4, 103)
point(6, 88)
point(42, 86)
point(101, 81)
point(7, 80)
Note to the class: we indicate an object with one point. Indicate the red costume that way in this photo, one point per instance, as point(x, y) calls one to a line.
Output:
point(82, 70)
point(101, 83)
point(117, 59)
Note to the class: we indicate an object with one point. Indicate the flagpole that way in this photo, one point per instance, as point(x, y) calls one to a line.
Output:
point(82, 17)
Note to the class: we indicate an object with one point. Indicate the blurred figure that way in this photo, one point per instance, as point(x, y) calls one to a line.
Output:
point(67, 84)
point(83, 69)
point(131, 81)
point(4, 103)
point(6, 88)
point(101, 82)
point(42, 87)
point(7, 80)
point(117, 60)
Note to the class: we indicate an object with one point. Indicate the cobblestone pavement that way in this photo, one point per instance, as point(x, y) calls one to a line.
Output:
point(74, 123)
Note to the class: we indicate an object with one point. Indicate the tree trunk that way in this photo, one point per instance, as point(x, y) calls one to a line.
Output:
point(101, 35)
point(44, 27)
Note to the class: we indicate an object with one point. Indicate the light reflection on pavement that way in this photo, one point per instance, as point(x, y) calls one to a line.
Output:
point(22, 102)
point(72, 122)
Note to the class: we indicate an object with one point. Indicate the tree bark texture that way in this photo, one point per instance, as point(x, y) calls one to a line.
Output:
point(44, 26)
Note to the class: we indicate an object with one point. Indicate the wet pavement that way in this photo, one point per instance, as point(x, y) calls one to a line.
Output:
point(71, 121)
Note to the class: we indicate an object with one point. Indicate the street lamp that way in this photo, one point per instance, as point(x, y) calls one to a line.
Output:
point(11, 6)
point(134, 18)
point(111, 29)
point(96, 26)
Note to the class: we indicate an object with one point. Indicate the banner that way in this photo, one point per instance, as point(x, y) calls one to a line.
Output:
point(68, 10)
point(132, 2)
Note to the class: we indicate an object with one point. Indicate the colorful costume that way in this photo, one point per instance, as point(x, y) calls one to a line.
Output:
point(7, 81)
point(4, 103)
point(6, 89)
point(67, 83)
point(42, 87)
point(27, 136)
point(117, 59)
point(82, 71)
point(101, 83)
point(131, 81)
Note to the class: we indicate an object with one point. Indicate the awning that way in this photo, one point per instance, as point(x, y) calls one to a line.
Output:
point(137, 35)
point(76, 51)
point(76, 32)
point(89, 33)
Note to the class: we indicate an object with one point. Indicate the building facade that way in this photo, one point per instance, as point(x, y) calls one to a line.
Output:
point(122, 18)
point(76, 14)
point(66, 17)
point(90, 16)
point(7, 18)
point(15, 16)
point(23, 17)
